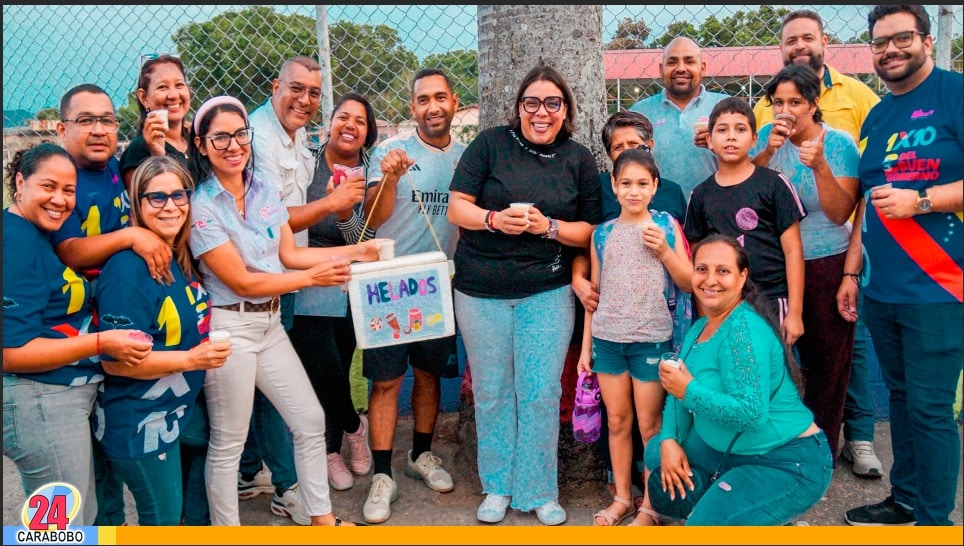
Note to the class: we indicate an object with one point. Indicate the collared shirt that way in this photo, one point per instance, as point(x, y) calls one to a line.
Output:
point(283, 161)
point(216, 221)
point(844, 101)
point(676, 155)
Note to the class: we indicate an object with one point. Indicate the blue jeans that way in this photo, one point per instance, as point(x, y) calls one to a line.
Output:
point(859, 411)
point(155, 484)
point(269, 439)
point(194, 450)
point(767, 489)
point(46, 433)
point(516, 349)
point(919, 348)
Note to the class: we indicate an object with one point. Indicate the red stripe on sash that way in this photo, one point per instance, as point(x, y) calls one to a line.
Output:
point(925, 252)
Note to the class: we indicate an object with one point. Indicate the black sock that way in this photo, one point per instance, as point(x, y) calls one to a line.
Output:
point(248, 477)
point(421, 442)
point(383, 461)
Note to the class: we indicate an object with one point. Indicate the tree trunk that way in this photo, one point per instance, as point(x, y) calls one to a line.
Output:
point(512, 40)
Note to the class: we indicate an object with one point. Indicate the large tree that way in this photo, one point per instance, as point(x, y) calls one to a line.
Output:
point(462, 67)
point(239, 53)
point(512, 40)
point(630, 34)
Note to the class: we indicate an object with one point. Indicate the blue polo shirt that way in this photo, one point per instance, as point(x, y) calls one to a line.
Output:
point(257, 238)
point(678, 159)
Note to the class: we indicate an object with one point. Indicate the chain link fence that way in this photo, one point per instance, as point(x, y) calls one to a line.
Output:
point(375, 50)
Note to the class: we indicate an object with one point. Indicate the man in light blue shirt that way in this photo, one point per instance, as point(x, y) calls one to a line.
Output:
point(683, 102)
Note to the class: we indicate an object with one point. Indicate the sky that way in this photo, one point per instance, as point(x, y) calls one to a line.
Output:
point(46, 48)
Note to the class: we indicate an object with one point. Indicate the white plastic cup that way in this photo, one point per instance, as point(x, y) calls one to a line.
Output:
point(670, 359)
point(701, 126)
point(162, 114)
point(789, 118)
point(386, 250)
point(141, 336)
point(219, 336)
point(521, 205)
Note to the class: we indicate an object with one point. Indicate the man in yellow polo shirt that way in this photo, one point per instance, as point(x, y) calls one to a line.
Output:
point(845, 103)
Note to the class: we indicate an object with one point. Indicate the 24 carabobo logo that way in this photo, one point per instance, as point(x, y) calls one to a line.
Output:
point(51, 507)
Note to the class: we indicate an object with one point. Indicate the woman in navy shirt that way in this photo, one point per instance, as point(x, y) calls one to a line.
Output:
point(51, 367)
point(141, 410)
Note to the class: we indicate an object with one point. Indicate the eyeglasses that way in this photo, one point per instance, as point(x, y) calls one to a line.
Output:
point(902, 40)
point(221, 141)
point(110, 123)
point(532, 104)
point(145, 57)
point(298, 90)
point(158, 199)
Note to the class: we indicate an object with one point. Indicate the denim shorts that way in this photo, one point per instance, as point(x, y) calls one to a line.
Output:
point(640, 359)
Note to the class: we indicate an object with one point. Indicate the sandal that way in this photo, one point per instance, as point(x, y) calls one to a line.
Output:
point(657, 518)
point(613, 519)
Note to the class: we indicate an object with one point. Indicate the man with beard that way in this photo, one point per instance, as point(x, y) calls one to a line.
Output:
point(845, 103)
point(680, 151)
point(913, 197)
point(411, 181)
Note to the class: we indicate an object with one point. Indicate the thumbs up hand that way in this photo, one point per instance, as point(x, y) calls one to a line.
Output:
point(811, 151)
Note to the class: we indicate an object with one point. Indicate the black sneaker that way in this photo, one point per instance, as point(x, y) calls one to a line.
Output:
point(888, 512)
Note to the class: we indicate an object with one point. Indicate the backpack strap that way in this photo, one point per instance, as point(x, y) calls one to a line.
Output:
point(679, 302)
point(599, 237)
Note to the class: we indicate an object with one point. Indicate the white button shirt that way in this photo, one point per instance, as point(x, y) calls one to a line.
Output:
point(279, 160)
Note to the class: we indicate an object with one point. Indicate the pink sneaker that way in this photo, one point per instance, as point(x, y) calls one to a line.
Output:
point(339, 478)
point(360, 459)
point(587, 415)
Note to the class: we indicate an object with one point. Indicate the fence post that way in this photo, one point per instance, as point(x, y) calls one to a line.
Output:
point(945, 20)
point(324, 59)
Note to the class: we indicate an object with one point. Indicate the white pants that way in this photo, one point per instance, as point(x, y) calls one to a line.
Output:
point(262, 357)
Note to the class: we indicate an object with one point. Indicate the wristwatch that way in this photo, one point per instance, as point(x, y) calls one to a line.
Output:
point(553, 230)
point(923, 202)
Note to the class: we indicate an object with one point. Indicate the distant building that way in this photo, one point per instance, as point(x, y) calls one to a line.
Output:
point(465, 123)
point(741, 71)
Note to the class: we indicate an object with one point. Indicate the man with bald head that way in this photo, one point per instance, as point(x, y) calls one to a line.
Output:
point(683, 102)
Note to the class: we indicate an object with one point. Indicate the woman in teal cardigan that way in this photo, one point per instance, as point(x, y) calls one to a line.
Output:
point(735, 409)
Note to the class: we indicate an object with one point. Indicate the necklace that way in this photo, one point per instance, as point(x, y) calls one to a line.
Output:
point(439, 148)
point(236, 199)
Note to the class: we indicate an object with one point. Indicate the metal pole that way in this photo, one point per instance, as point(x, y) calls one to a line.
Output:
point(324, 59)
point(945, 19)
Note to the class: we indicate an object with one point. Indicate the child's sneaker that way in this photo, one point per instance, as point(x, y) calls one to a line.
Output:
point(587, 415)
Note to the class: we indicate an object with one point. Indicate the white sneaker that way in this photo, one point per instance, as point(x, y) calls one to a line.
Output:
point(492, 509)
point(378, 505)
point(865, 461)
point(428, 467)
point(260, 484)
point(288, 505)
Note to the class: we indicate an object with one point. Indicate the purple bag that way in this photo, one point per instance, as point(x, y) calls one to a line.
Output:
point(587, 415)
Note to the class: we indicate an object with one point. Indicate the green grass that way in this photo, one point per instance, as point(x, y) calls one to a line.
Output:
point(359, 385)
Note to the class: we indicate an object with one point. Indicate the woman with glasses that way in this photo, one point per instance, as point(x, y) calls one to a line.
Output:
point(821, 163)
point(51, 368)
point(323, 333)
point(240, 235)
point(526, 197)
point(142, 409)
point(164, 100)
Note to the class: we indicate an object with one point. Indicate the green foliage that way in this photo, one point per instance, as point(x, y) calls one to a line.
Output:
point(239, 53)
point(129, 116)
point(630, 34)
point(675, 29)
point(363, 56)
point(51, 114)
point(743, 28)
point(462, 68)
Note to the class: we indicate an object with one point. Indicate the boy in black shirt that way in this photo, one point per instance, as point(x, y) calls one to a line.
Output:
point(756, 206)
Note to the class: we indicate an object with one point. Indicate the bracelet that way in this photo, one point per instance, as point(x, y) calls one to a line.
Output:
point(488, 221)
point(98, 343)
point(854, 275)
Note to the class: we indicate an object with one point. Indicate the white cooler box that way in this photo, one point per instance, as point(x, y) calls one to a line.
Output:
point(402, 300)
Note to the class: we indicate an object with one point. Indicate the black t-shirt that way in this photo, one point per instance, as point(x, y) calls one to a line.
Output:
point(755, 212)
point(500, 167)
point(137, 151)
